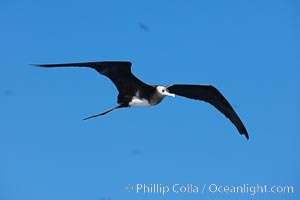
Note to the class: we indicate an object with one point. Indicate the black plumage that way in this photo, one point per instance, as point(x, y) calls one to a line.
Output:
point(210, 94)
point(134, 92)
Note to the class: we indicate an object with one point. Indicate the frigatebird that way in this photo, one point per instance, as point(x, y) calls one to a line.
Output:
point(134, 92)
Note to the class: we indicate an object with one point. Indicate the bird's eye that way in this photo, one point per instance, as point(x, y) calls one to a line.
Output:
point(163, 90)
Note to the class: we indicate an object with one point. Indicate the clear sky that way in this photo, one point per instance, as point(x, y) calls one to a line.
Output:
point(249, 50)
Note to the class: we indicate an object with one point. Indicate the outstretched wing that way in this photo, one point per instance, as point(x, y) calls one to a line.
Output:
point(119, 72)
point(210, 95)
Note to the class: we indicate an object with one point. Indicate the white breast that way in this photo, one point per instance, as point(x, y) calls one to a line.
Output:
point(138, 102)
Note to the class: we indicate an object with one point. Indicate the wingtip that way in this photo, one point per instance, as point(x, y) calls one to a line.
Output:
point(246, 135)
point(36, 65)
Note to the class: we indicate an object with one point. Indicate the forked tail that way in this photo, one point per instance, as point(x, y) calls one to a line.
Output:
point(103, 113)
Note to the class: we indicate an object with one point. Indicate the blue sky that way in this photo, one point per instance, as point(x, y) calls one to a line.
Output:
point(249, 50)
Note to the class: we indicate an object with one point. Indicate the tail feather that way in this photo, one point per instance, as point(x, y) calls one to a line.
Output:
point(103, 113)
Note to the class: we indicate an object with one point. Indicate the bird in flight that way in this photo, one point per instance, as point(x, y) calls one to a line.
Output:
point(134, 92)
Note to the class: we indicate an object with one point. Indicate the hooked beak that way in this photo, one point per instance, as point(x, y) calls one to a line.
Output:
point(169, 94)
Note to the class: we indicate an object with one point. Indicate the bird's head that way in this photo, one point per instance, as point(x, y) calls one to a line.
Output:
point(164, 91)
